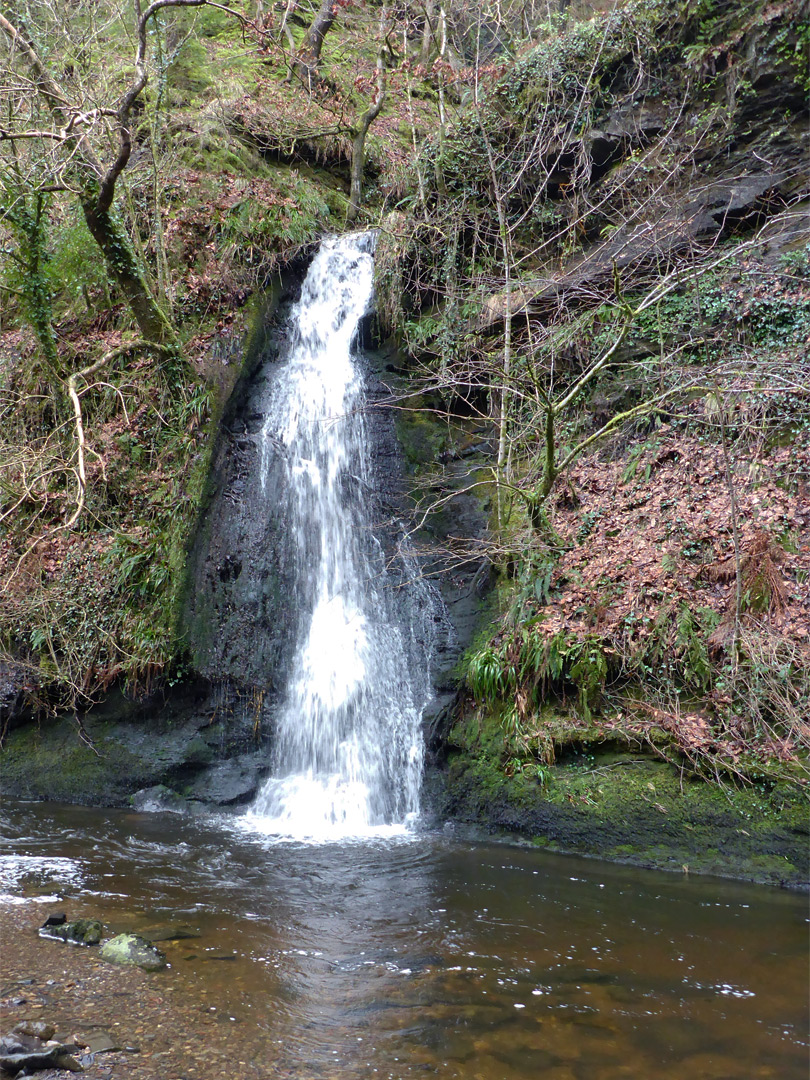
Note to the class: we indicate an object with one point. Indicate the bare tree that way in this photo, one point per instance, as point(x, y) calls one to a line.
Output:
point(76, 163)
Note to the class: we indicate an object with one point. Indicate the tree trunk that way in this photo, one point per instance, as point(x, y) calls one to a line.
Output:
point(427, 32)
point(29, 229)
point(321, 25)
point(287, 32)
point(439, 168)
point(97, 186)
point(111, 237)
point(366, 120)
point(409, 97)
point(307, 63)
point(506, 371)
point(499, 197)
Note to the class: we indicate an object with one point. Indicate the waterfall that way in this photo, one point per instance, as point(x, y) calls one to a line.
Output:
point(348, 752)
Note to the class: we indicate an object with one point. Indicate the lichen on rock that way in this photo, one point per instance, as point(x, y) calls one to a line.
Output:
point(133, 950)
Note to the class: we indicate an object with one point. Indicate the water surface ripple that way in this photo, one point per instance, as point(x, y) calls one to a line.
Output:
point(439, 955)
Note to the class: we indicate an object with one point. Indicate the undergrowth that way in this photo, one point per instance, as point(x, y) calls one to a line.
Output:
point(85, 607)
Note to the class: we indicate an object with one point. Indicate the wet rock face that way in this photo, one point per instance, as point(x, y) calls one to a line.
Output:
point(15, 685)
point(169, 755)
point(229, 783)
point(241, 618)
point(133, 951)
point(240, 569)
point(407, 440)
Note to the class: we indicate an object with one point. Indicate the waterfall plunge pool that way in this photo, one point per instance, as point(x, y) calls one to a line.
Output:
point(434, 955)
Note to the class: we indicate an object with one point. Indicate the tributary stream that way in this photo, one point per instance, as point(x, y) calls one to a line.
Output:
point(435, 955)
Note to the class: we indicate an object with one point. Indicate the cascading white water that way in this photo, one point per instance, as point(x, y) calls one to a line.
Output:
point(348, 756)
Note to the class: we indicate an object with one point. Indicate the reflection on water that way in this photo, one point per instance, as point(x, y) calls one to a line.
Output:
point(442, 956)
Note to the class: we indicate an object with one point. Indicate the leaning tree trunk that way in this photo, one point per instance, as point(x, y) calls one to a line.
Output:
point(321, 25)
point(122, 264)
point(307, 62)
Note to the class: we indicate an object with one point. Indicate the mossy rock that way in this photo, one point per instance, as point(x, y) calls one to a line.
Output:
point(131, 950)
point(628, 807)
point(421, 436)
point(80, 932)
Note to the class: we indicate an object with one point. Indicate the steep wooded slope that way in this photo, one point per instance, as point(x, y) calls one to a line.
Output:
point(605, 260)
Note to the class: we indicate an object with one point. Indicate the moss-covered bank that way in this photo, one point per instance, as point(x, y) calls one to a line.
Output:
point(605, 801)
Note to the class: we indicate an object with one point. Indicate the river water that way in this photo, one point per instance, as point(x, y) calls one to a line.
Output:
point(436, 955)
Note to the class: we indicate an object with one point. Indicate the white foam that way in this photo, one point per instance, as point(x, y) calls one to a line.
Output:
point(14, 869)
point(348, 754)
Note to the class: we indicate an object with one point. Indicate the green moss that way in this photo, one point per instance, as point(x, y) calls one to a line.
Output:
point(607, 801)
point(190, 71)
point(421, 434)
point(211, 148)
point(54, 759)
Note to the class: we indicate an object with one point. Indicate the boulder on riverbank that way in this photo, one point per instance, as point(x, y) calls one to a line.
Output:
point(134, 951)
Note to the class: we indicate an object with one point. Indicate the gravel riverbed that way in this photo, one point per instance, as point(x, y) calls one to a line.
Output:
point(162, 1034)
